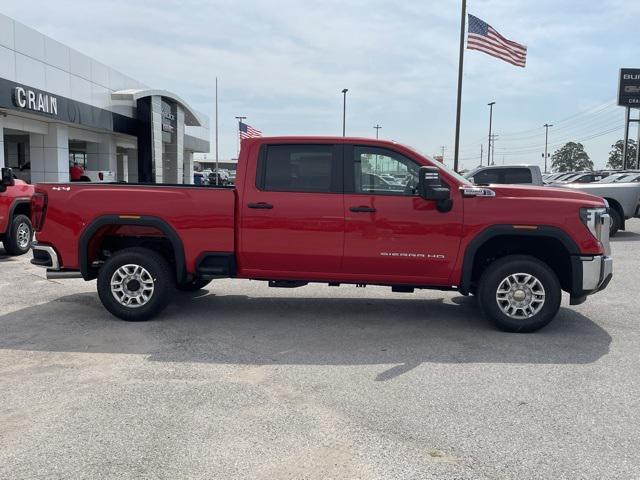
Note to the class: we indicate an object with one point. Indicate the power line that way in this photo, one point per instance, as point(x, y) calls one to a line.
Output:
point(512, 152)
point(579, 121)
point(571, 136)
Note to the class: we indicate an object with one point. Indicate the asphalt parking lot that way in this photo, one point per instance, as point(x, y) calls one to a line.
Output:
point(243, 381)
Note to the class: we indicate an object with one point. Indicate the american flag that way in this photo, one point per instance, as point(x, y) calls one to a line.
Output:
point(482, 36)
point(247, 131)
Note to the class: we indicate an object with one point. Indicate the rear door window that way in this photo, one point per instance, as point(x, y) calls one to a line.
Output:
point(299, 168)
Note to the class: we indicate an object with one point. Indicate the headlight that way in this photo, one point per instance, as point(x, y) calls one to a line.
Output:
point(592, 219)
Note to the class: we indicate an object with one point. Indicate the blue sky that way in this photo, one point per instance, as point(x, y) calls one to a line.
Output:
point(284, 63)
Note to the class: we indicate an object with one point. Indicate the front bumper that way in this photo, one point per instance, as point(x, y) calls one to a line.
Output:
point(597, 272)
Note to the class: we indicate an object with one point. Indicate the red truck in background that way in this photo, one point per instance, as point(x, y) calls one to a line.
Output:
point(326, 209)
point(16, 232)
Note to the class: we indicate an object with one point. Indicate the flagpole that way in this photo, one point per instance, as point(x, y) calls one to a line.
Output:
point(240, 119)
point(217, 131)
point(460, 69)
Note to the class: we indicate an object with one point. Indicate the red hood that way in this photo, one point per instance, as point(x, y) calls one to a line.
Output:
point(527, 191)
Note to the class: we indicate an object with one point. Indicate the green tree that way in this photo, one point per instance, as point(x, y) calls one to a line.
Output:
point(615, 155)
point(571, 158)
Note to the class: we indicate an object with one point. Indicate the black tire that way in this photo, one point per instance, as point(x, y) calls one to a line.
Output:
point(616, 221)
point(502, 268)
point(158, 272)
point(193, 286)
point(17, 241)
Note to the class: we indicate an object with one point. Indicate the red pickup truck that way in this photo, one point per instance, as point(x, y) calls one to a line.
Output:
point(326, 209)
point(15, 203)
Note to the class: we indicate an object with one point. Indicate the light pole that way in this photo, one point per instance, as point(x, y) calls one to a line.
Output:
point(546, 144)
point(344, 110)
point(240, 119)
point(491, 104)
point(377, 127)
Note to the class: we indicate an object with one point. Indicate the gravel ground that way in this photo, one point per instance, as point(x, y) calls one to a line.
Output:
point(242, 381)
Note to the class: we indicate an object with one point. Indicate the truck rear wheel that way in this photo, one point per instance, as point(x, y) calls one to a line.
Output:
point(135, 284)
point(519, 293)
point(19, 236)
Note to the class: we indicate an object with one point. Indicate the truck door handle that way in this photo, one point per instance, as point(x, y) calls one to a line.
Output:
point(362, 208)
point(263, 205)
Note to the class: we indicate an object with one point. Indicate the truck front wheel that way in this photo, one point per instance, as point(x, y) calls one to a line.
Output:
point(135, 284)
point(519, 293)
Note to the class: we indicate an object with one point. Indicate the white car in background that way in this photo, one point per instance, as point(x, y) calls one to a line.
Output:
point(100, 176)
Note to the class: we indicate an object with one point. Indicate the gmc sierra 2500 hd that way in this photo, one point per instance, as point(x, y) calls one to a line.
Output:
point(313, 209)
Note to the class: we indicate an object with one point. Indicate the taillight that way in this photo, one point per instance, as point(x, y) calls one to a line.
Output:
point(38, 208)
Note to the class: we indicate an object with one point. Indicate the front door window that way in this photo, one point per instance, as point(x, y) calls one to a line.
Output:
point(379, 171)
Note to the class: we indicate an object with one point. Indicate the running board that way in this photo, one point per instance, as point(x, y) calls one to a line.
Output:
point(63, 274)
point(287, 283)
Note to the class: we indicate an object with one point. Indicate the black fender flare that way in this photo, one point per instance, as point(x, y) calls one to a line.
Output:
point(146, 221)
point(16, 202)
point(511, 230)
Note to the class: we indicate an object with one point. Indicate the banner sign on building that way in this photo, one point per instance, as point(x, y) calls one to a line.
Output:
point(36, 100)
point(629, 87)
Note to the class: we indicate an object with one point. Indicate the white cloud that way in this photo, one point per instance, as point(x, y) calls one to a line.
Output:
point(283, 63)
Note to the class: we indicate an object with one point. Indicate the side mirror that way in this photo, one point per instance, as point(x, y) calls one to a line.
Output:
point(7, 179)
point(430, 188)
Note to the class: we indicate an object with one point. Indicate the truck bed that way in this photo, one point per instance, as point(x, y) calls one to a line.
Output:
point(207, 225)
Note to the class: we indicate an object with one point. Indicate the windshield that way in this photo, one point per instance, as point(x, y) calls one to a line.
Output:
point(453, 173)
point(571, 178)
point(442, 166)
point(616, 177)
point(564, 177)
point(628, 178)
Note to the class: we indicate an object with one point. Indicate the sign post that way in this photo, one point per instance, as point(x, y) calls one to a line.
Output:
point(629, 97)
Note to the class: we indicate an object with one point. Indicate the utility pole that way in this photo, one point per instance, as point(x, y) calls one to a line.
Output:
point(463, 15)
point(481, 145)
point(489, 157)
point(344, 110)
point(442, 149)
point(546, 144)
point(377, 127)
point(240, 119)
point(492, 143)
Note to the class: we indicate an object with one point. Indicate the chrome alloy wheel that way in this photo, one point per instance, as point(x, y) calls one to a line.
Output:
point(23, 235)
point(132, 285)
point(520, 296)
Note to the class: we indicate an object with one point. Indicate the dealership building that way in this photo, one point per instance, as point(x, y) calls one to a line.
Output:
point(59, 107)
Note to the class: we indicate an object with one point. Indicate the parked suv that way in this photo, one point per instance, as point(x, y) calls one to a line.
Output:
point(16, 231)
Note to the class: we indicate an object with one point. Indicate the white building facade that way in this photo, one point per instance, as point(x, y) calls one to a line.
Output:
point(59, 107)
